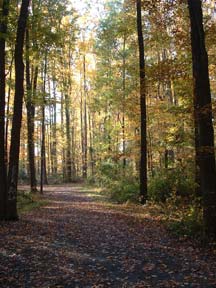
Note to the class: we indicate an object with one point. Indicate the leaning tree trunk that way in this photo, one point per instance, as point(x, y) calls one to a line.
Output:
point(17, 116)
point(204, 143)
point(143, 150)
point(3, 171)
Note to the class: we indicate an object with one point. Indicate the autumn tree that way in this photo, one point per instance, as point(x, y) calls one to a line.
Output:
point(17, 116)
point(3, 171)
point(143, 128)
point(203, 117)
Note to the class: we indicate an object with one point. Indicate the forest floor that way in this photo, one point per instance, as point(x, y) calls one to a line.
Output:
point(80, 240)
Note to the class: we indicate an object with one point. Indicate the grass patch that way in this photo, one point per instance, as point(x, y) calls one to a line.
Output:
point(27, 201)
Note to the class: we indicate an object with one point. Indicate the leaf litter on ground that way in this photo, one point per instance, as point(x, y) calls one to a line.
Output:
point(79, 241)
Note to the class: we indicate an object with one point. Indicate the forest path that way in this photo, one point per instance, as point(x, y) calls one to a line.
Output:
point(80, 241)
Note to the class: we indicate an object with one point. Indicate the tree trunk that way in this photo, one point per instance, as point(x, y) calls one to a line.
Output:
point(54, 134)
point(8, 111)
point(17, 116)
point(85, 141)
point(143, 150)
point(204, 132)
point(68, 139)
point(63, 137)
point(43, 176)
point(3, 170)
point(30, 119)
point(91, 149)
point(123, 103)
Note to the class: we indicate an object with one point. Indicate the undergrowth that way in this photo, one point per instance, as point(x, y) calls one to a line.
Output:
point(184, 219)
point(27, 201)
point(171, 190)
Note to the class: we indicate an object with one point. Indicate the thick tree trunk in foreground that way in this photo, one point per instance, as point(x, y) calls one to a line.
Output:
point(143, 160)
point(203, 118)
point(3, 169)
point(17, 116)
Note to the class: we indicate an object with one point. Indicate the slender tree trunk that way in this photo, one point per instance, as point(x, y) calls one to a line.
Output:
point(8, 112)
point(91, 149)
point(123, 102)
point(54, 136)
point(81, 130)
point(49, 131)
point(150, 154)
point(3, 169)
point(62, 136)
point(43, 177)
point(204, 133)
point(30, 120)
point(143, 151)
point(42, 172)
point(85, 167)
point(17, 116)
point(68, 139)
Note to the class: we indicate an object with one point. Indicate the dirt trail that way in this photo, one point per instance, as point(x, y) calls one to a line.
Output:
point(76, 241)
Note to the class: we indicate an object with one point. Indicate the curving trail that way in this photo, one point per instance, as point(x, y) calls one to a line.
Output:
point(76, 241)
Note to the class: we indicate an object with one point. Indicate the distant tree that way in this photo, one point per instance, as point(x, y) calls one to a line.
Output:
point(203, 117)
point(43, 176)
point(30, 107)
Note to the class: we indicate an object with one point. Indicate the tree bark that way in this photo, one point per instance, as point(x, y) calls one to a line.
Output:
point(143, 132)
point(68, 139)
point(204, 133)
point(43, 176)
point(30, 119)
point(123, 103)
point(8, 111)
point(54, 134)
point(85, 134)
point(3, 169)
point(17, 116)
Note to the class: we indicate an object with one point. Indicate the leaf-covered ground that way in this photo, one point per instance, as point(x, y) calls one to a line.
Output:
point(78, 241)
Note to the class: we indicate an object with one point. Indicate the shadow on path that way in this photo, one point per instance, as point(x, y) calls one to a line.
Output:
point(76, 241)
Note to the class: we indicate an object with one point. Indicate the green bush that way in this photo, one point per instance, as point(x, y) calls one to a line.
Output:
point(160, 187)
point(125, 190)
point(120, 183)
point(170, 183)
point(190, 223)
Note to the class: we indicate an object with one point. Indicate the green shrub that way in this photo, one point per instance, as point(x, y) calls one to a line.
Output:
point(125, 190)
point(120, 183)
point(189, 224)
point(160, 187)
point(170, 183)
